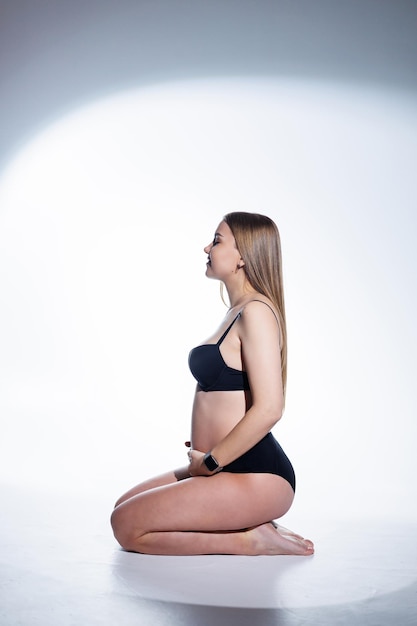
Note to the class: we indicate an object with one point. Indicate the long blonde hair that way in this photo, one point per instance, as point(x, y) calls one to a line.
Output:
point(259, 244)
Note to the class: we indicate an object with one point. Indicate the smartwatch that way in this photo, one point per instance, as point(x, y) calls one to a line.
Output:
point(210, 462)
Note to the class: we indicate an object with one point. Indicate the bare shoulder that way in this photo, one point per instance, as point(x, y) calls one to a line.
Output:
point(260, 338)
point(259, 319)
point(259, 309)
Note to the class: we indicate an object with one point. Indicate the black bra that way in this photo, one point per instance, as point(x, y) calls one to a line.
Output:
point(211, 372)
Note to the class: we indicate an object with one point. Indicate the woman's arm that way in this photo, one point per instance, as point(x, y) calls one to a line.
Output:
point(260, 339)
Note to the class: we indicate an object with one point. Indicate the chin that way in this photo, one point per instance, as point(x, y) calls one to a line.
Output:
point(211, 275)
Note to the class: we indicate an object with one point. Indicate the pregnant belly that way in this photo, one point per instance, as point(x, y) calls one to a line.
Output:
point(215, 413)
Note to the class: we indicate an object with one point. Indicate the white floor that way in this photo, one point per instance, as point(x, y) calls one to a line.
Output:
point(60, 566)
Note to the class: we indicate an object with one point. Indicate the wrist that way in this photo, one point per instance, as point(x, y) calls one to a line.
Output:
point(211, 463)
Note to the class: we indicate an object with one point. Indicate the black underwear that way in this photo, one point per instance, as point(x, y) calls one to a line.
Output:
point(209, 368)
point(267, 457)
point(211, 372)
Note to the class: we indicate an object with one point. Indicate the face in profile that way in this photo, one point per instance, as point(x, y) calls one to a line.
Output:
point(223, 256)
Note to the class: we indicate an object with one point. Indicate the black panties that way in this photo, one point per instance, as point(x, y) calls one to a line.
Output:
point(267, 457)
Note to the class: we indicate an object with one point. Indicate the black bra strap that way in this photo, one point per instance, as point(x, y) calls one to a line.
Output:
point(239, 314)
point(227, 329)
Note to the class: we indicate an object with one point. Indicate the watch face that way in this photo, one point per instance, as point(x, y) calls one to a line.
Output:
point(210, 462)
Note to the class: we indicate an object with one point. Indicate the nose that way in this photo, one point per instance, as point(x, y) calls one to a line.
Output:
point(208, 248)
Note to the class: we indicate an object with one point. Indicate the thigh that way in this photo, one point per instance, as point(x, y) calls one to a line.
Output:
point(222, 502)
point(158, 481)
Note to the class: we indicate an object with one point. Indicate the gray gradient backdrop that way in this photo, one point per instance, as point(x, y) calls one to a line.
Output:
point(127, 130)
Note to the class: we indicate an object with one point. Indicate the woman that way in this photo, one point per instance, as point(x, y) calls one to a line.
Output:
point(238, 479)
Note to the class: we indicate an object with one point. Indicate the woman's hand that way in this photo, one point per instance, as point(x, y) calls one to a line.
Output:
point(196, 466)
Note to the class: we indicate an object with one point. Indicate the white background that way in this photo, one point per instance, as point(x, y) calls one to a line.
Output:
point(104, 218)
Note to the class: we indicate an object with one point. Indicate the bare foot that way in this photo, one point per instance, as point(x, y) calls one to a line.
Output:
point(285, 531)
point(273, 539)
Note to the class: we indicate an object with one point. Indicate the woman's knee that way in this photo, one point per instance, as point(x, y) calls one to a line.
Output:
point(121, 500)
point(124, 531)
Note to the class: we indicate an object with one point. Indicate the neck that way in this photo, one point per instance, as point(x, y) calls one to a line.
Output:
point(238, 294)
